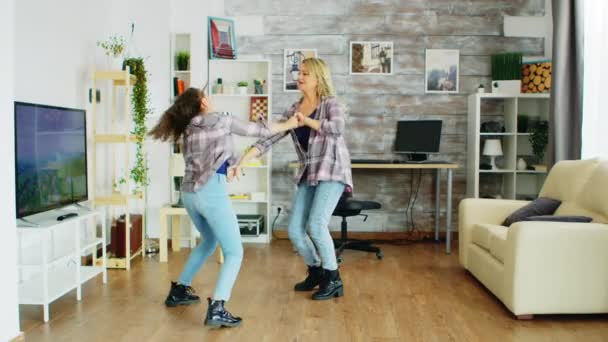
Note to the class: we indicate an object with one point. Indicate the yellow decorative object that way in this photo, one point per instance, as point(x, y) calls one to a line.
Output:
point(536, 77)
point(239, 196)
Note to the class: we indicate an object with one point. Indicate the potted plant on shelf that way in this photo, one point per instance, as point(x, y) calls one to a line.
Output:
point(242, 86)
point(114, 48)
point(140, 101)
point(523, 121)
point(506, 73)
point(539, 138)
point(182, 59)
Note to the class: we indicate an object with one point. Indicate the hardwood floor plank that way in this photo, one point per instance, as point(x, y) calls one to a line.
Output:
point(416, 293)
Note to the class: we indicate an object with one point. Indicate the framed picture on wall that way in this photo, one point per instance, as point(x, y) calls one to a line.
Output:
point(222, 39)
point(441, 73)
point(371, 58)
point(292, 60)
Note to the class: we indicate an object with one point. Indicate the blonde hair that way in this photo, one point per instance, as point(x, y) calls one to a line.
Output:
point(319, 69)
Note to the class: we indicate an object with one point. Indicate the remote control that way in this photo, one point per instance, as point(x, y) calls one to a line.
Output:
point(65, 216)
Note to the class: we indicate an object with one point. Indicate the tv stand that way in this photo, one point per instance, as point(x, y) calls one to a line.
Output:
point(417, 157)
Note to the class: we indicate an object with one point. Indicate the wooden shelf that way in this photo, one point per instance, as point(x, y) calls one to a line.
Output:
point(116, 199)
point(121, 262)
point(115, 138)
point(119, 77)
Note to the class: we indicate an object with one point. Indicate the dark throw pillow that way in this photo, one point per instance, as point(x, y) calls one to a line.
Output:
point(551, 218)
point(538, 207)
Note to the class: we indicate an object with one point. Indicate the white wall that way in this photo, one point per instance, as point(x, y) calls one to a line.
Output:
point(56, 48)
point(9, 324)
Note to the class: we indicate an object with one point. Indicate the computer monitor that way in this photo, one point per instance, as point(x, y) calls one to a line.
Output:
point(418, 138)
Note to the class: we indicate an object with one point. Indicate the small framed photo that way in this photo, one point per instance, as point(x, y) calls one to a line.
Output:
point(442, 68)
point(292, 60)
point(371, 58)
point(222, 39)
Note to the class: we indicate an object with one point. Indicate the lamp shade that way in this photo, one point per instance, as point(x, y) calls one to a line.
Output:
point(492, 147)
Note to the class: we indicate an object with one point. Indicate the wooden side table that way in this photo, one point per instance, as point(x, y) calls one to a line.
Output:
point(176, 214)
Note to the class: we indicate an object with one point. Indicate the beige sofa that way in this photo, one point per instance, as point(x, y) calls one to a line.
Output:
point(543, 267)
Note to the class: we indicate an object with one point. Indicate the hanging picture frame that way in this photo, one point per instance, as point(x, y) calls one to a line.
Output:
point(222, 38)
point(292, 60)
point(441, 73)
point(371, 58)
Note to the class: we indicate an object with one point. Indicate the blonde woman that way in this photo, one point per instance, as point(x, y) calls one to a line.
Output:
point(324, 174)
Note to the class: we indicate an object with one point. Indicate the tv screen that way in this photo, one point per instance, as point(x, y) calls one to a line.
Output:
point(50, 157)
point(418, 136)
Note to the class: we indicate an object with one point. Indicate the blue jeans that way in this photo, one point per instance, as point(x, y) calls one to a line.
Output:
point(212, 214)
point(308, 231)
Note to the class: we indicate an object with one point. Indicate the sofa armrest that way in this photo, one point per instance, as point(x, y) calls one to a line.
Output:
point(481, 210)
point(556, 267)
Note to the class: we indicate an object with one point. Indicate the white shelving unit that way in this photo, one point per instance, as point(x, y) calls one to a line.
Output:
point(257, 176)
point(48, 270)
point(180, 42)
point(507, 181)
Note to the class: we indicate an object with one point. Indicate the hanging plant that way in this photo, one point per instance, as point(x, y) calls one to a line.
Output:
point(140, 102)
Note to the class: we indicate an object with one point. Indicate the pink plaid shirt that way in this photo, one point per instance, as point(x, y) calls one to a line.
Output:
point(208, 143)
point(327, 158)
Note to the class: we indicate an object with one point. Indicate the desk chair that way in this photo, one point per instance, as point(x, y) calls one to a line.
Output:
point(348, 207)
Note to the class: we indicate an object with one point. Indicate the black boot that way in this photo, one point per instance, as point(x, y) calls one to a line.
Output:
point(315, 273)
point(181, 295)
point(217, 316)
point(331, 286)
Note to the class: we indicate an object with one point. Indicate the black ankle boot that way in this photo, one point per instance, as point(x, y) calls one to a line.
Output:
point(315, 273)
point(181, 295)
point(331, 286)
point(217, 316)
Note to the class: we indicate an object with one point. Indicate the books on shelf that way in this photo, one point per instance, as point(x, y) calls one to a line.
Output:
point(178, 86)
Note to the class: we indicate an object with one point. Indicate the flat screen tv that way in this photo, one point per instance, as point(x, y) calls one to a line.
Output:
point(50, 157)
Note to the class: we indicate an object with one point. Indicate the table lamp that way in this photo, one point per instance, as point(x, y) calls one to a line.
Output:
point(492, 148)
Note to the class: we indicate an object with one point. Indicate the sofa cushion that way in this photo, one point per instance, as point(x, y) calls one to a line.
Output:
point(594, 196)
point(559, 218)
point(492, 238)
point(540, 206)
point(566, 179)
point(574, 209)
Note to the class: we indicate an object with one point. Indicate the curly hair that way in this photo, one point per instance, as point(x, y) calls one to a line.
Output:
point(176, 118)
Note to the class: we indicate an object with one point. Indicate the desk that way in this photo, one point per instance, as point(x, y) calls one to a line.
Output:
point(175, 214)
point(438, 167)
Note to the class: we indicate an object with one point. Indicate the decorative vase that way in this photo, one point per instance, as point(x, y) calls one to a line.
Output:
point(521, 164)
point(242, 90)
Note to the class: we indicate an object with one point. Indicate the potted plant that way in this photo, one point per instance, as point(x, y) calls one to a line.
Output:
point(182, 59)
point(140, 101)
point(113, 48)
point(242, 86)
point(523, 121)
point(539, 138)
point(506, 73)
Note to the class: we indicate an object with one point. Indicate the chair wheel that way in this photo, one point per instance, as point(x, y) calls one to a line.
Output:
point(379, 255)
point(339, 259)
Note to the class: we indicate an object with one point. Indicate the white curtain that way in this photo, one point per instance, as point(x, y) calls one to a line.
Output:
point(595, 97)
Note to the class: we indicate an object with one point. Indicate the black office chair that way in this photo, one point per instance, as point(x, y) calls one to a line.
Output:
point(348, 207)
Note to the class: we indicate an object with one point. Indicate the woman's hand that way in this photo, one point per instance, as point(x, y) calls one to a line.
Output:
point(301, 118)
point(293, 122)
point(234, 172)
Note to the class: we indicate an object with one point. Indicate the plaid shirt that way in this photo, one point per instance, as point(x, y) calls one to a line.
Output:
point(327, 158)
point(208, 143)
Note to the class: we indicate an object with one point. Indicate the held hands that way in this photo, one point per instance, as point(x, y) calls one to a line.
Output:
point(302, 119)
point(234, 173)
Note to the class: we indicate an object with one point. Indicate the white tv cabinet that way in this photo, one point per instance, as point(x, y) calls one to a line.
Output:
point(47, 269)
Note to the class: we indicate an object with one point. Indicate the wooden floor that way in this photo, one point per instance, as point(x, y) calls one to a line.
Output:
point(417, 293)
